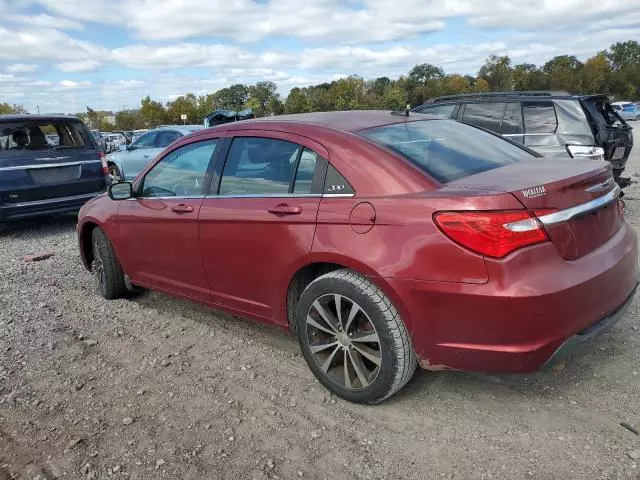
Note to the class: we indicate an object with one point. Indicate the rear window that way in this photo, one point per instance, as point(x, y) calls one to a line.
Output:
point(445, 149)
point(42, 135)
point(539, 117)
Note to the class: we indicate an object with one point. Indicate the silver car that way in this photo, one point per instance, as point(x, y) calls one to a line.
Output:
point(129, 161)
point(627, 110)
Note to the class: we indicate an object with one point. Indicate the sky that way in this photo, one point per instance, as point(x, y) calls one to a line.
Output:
point(60, 56)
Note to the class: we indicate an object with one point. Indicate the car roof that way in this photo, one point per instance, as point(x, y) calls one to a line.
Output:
point(186, 129)
point(348, 121)
point(508, 96)
point(26, 116)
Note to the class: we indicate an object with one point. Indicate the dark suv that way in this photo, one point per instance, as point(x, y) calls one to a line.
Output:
point(38, 177)
point(555, 124)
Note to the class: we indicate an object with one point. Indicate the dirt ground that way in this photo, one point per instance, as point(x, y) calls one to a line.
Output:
point(154, 387)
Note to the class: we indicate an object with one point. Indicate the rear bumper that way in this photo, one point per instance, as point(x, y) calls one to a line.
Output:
point(17, 211)
point(533, 303)
point(574, 342)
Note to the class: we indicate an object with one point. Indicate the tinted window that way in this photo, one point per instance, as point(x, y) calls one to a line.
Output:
point(166, 138)
point(181, 173)
point(306, 170)
point(335, 183)
point(539, 117)
point(145, 140)
point(485, 115)
point(512, 120)
point(43, 135)
point(445, 149)
point(259, 166)
point(443, 111)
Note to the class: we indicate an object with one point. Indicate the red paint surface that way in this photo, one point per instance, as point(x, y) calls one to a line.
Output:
point(462, 310)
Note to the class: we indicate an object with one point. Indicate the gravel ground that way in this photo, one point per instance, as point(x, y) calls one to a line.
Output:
point(154, 387)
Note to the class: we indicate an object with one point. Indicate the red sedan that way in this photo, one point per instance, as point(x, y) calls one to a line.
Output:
point(381, 240)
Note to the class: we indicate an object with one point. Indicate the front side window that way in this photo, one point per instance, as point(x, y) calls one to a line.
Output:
point(445, 149)
point(486, 115)
point(145, 140)
point(166, 138)
point(181, 173)
point(260, 166)
point(539, 117)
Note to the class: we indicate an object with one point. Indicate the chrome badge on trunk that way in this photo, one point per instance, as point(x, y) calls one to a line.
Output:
point(534, 192)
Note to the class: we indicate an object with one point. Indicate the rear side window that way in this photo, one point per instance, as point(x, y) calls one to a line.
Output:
point(444, 111)
point(485, 115)
point(447, 150)
point(166, 138)
point(539, 117)
point(260, 166)
point(43, 135)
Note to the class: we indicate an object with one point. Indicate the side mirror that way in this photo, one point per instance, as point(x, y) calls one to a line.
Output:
point(121, 191)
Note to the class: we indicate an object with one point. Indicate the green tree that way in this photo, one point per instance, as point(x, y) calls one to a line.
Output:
point(233, 97)
point(296, 101)
point(564, 72)
point(183, 105)
point(596, 74)
point(497, 72)
point(6, 109)
point(264, 94)
point(152, 113)
point(422, 73)
point(624, 54)
point(128, 120)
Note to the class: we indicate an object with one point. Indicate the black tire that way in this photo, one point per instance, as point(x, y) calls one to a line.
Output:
point(114, 171)
point(106, 266)
point(376, 317)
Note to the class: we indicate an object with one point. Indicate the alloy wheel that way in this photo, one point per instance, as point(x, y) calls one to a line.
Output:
point(98, 267)
point(343, 341)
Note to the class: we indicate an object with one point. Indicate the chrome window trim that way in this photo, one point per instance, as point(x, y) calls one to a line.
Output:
point(247, 195)
point(49, 165)
point(569, 213)
point(268, 195)
point(176, 197)
point(52, 200)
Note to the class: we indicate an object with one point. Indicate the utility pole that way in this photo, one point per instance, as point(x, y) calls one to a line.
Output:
point(38, 107)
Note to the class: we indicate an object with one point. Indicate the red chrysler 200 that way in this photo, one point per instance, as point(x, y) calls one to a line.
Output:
point(381, 240)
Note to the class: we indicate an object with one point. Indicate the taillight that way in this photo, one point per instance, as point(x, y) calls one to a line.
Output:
point(103, 161)
point(494, 234)
point(586, 151)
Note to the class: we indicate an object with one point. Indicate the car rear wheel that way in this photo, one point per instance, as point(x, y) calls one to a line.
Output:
point(353, 338)
point(106, 267)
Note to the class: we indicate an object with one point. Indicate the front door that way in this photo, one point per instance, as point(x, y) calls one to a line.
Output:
point(257, 228)
point(163, 219)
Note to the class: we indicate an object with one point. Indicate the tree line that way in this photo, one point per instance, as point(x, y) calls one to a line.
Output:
point(615, 71)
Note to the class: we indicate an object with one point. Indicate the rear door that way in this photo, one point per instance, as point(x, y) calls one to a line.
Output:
point(31, 169)
point(258, 223)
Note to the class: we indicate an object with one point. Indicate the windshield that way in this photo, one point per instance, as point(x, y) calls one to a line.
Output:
point(42, 135)
point(447, 150)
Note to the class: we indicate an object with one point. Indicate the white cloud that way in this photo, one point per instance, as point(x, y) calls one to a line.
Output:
point(21, 68)
point(46, 44)
point(78, 66)
point(45, 21)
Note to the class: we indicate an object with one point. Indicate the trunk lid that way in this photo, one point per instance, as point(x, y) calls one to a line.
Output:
point(577, 202)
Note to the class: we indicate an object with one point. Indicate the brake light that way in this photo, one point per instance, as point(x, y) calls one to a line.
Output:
point(494, 234)
point(103, 161)
point(585, 151)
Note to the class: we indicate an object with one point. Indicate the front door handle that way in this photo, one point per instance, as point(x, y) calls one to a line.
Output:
point(182, 208)
point(284, 209)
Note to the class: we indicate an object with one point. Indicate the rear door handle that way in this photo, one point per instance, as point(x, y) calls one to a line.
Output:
point(182, 208)
point(284, 209)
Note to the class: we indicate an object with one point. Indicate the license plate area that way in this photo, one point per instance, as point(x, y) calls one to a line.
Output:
point(51, 175)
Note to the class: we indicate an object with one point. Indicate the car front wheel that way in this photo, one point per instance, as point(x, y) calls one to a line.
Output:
point(106, 266)
point(353, 338)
